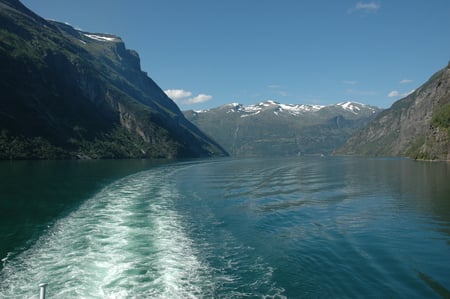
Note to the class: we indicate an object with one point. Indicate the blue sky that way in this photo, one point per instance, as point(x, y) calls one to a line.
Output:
point(207, 53)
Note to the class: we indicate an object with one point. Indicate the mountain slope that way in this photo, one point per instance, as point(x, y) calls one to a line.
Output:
point(271, 128)
point(67, 93)
point(417, 125)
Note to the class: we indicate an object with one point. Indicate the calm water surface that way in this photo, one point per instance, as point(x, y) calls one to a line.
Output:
point(305, 227)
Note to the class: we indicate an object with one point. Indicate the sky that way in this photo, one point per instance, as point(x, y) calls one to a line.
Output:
point(207, 53)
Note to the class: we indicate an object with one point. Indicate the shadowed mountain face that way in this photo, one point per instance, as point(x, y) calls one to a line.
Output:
point(68, 94)
point(417, 126)
point(270, 128)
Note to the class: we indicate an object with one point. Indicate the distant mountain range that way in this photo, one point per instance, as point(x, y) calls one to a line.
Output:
point(417, 126)
point(66, 93)
point(270, 128)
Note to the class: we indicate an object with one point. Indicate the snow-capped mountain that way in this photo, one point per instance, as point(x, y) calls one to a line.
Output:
point(272, 128)
point(276, 108)
point(273, 106)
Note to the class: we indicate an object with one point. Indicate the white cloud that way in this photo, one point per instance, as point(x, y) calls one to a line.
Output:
point(278, 89)
point(405, 81)
point(396, 93)
point(177, 94)
point(371, 6)
point(368, 7)
point(356, 92)
point(201, 98)
point(184, 97)
point(393, 94)
point(349, 82)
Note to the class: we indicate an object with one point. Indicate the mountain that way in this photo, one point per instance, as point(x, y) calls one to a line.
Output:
point(66, 93)
point(271, 128)
point(417, 126)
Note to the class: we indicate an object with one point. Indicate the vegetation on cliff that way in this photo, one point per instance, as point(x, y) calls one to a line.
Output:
point(417, 126)
point(73, 94)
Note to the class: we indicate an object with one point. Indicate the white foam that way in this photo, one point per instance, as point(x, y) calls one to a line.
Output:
point(132, 240)
point(124, 242)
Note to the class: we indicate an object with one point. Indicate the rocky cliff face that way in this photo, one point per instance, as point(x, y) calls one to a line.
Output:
point(416, 126)
point(274, 129)
point(68, 93)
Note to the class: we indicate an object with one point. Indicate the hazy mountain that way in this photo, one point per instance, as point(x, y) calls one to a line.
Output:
point(68, 93)
point(417, 125)
point(271, 128)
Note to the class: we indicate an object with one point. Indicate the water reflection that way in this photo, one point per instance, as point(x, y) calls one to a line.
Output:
point(423, 187)
point(368, 226)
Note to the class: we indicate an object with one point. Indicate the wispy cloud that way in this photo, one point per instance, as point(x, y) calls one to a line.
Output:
point(201, 98)
point(393, 94)
point(185, 97)
point(366, 7)
point(278, 89)
point(396, 94)
point(177, 94)
point(356, 92)
point(405, 81)
point(349, 82)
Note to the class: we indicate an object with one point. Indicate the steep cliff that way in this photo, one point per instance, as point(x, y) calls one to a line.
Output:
point(417, 126)
point(67, 93)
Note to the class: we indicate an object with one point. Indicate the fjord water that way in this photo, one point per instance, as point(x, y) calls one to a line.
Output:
point(306, 227)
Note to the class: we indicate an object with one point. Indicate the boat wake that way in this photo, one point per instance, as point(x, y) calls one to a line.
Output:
point(124, 242)
point(127, 241)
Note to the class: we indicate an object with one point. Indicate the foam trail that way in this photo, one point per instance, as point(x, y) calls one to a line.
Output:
point(127, 241)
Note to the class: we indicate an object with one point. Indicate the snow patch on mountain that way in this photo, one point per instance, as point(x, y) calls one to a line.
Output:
point(102, 38)
point(299, 109)
point(291, 109)
point(354, 107)
point(275, 107)
point(350, 106)
point(251, 114)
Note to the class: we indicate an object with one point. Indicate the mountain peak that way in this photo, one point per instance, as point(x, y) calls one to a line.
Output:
point(274, 107)
point(268, 103)
point(353, 107)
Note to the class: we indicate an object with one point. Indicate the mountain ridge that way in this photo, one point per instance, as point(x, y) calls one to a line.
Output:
point(417, 126)
point(74, 94)
point(272, 128)
point(293, 109)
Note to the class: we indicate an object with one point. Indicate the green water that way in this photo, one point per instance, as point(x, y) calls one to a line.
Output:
point(306, 227)
point(35, 193)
